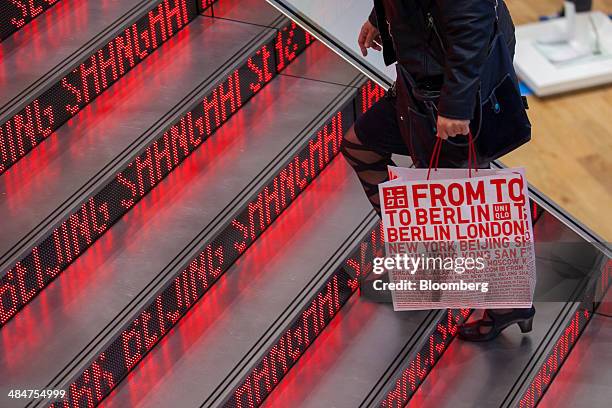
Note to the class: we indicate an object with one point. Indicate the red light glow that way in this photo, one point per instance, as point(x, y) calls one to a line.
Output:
point(555, 359)
point(306, 327)
point(64, 244)
point(162, 313)
point(64, 99)
point(421, 364)
point(17, 13)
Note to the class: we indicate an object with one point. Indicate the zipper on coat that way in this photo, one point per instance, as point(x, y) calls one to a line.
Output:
point(432, 26)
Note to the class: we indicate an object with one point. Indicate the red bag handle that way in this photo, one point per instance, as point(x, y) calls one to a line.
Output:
point(472, 158)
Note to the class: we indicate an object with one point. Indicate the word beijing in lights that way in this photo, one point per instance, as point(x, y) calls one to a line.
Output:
point(68, 241)
point(41, 117)
point(17, 13)
point(160, 314)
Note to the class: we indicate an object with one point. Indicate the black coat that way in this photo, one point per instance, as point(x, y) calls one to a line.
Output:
point(466, 28)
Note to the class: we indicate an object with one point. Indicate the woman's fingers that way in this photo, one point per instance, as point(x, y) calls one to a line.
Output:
point(458, 129)
point(368, 37)
point(361, 40)
point(442, 132)
point(452, 127)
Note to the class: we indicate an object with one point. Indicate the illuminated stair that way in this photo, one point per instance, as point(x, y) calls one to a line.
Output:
point(353, 362)
point(585, 378)
point(516, 370)
point(159, 258)
point(15, 15)
point(62, 198)
point(59, 63)
point(279, 296)
point(192, 238)
point(375, 358)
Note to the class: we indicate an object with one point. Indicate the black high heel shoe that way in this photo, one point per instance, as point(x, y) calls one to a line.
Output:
point(496, 323)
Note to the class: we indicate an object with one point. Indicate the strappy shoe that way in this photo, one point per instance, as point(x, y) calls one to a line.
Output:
point(496, 323)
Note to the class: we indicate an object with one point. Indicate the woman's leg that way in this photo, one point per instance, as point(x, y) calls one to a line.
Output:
point(369, 144)
point(369, 164)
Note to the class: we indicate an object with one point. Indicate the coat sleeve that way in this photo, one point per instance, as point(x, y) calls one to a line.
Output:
point(467, 27)
point(372, 18)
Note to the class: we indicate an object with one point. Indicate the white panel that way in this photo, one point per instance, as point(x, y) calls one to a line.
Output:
point(547, 78)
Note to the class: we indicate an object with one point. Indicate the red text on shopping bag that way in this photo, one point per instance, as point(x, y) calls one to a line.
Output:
point(452, 210)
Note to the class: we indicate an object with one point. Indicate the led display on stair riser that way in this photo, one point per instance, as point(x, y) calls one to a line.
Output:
point(163, 311)
point(17, 13)
point(555, 359)
point(66, 97)
point(368, 95)
point(420, 364)
point(307, 326)
point(73, 236)
point(566, 341)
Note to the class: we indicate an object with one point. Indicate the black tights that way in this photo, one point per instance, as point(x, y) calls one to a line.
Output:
point(369, 164)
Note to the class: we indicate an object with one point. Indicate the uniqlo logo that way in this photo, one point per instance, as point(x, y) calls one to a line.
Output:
point(501, 212)
point(395, 197)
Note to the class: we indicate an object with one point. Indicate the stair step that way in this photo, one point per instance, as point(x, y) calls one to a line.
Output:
point(245, 11)
point(510, 371)
point(55, 69)
point(194, 219)
point(253, 303)
point(585, 378)
point(93, 178)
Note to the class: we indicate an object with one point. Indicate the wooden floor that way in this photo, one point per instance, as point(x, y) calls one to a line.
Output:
point(570, 156)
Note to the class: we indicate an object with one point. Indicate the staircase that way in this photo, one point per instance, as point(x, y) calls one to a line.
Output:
point(177, 229)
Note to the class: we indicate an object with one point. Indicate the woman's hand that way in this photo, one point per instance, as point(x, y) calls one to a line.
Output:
point(369, 37)
point(452, 127)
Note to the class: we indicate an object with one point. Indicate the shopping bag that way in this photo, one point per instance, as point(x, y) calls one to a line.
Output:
point(456, 240)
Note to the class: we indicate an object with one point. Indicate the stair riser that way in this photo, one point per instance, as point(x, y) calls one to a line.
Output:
point(61, 244)
point(545, 371)
point(212, 258)
point(43, 113)
point(308, 324)
point(19, 13)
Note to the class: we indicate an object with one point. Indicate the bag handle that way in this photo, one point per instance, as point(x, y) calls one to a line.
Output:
point(472, 157)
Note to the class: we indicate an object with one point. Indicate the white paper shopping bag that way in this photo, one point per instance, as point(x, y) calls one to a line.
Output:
point(456, 241)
